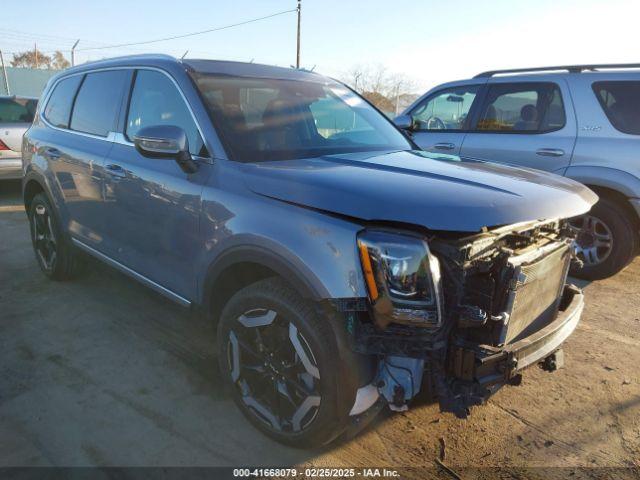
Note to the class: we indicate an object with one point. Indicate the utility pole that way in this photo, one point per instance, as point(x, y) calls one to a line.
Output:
point(299, 9)
point(4, 73)
point(73, 53)
point(35, 50)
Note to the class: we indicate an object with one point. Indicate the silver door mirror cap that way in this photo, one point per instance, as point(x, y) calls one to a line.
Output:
point(161, 141)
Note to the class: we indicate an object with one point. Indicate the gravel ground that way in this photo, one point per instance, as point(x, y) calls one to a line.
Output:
point(103, 372)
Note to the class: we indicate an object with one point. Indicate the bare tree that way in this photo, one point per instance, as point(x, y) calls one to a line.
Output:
point(385, 90)
point(36, 59)
point(59, 61)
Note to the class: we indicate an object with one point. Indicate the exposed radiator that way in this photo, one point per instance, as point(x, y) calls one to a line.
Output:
point(535, 290)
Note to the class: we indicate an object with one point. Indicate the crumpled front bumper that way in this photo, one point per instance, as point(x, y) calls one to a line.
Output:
point(471, 373)
point(542, 343)
point(492, 369)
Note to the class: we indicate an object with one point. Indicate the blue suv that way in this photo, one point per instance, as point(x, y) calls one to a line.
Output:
point(346, 269)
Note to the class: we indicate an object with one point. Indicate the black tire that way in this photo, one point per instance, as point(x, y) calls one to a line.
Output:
point(255, 303)
point(54, 253)
point(624, 240)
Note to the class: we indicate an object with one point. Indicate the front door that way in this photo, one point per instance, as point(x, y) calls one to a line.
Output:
point(152, 205)
point(524, 124)
point(440, 120)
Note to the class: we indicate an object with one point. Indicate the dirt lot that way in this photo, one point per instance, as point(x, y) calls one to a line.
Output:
point(102, 371)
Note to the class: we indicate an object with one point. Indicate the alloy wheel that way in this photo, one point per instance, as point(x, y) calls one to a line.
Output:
point(274, 369)
point(594, 239)
point(44, 239)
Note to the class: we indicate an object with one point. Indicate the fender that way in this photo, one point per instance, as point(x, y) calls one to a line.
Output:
point(34, 176)
point(612, 178)
point(37, 170)
point(301, 277)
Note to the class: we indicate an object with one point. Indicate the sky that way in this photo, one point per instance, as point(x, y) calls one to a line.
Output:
point(429, 41)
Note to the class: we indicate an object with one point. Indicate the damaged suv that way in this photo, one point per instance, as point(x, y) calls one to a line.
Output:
point(346, 270)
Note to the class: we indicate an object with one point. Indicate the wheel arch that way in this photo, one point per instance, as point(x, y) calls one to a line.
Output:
point(32, 187)
point(613, 184)
point(242, 265)
point(619, 199)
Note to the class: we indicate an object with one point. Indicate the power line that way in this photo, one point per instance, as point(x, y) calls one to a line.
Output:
point(174, 37)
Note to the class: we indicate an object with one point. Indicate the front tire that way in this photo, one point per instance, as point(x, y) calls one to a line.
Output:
point(607, 240)
point(282, 364)
point(55, 255)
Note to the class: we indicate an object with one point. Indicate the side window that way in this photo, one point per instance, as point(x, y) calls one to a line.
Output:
point(445, 110)
point(155, 100)
point(98, 102)
point(620, 101)
point(58, 108)
point(17, 110)
point(522, 108)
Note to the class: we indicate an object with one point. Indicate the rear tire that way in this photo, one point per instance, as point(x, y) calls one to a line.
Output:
point(55, 254)
point(283, 366)
point(609, 224)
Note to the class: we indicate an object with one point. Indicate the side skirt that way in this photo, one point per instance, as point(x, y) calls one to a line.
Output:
point(132, 273)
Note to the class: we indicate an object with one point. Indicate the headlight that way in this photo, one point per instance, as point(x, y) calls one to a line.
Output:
point(403, 278)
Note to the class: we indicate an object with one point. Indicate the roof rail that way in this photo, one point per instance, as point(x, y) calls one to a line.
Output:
point(568, 68)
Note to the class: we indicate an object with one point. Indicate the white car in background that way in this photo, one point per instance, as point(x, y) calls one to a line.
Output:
point(16, 116)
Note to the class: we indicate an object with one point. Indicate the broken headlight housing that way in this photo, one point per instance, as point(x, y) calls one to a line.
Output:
point(403, 278)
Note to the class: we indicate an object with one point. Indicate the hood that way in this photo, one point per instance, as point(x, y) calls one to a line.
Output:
point(439, 192)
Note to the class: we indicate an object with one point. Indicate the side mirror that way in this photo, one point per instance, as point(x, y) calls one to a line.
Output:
point(165, 142)
point(404, 122)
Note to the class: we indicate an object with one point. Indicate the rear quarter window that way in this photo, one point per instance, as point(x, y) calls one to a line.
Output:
point(58, 108)
point(17, 110)
point(620, 101)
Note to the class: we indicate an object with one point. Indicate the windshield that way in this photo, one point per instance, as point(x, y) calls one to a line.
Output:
point(262, 119)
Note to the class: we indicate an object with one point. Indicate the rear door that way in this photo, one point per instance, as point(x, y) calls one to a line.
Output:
point(82, 111)
point(441, 119)
point(608, 108)
point(524, 123)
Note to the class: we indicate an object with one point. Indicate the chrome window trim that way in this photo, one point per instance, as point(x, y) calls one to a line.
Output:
point(110, 138)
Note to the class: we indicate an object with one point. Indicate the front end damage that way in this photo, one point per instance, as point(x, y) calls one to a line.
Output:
point(503, 305)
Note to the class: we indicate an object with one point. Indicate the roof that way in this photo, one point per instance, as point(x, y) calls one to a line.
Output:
point(562, 68)
point(152, 59)
point(220, 67)
point(244, 69)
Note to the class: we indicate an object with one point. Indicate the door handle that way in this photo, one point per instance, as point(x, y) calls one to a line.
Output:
point(52, 153)
point(116, 170)
point(444, 146)
point(550, 152)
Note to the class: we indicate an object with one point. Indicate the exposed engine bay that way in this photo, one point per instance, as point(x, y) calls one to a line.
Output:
point(505, 306)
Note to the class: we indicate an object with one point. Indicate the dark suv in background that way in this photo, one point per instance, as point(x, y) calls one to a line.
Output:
point(345, 269)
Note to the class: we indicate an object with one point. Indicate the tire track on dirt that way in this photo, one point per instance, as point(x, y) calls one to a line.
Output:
point(561, 443)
